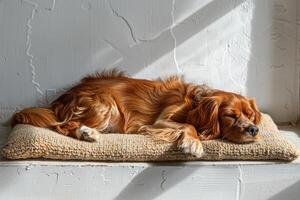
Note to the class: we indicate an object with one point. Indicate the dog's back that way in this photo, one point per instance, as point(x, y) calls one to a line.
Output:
point(108, 100)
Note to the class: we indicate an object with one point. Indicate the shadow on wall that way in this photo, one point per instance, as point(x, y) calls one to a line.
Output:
point(268, 76)
point(211, 12)
point(254, 75)
point(290, 193)
point(207, 15)
point(151, 188)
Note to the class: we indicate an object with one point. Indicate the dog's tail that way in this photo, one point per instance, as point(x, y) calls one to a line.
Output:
point(45, 118)
point(41, 117)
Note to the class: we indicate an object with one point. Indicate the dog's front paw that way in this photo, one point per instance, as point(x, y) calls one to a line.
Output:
point(87, 134)
point(193, 147)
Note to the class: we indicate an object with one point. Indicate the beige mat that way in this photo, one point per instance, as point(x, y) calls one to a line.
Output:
point(27, 141)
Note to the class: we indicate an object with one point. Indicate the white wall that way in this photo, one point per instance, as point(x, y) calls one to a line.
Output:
point(193, 181)
point(246, 46)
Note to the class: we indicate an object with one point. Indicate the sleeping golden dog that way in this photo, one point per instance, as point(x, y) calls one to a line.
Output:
point(169, 110)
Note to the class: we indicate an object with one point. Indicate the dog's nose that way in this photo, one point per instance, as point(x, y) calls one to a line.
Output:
point(252, 130)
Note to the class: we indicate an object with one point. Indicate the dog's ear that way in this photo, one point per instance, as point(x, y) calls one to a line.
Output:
point(256, 111)
point(205, 116)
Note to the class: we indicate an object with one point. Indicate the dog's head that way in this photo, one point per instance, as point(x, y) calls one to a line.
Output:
point(226, 115)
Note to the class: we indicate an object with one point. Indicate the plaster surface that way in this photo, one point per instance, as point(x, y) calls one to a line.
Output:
point(245, 46)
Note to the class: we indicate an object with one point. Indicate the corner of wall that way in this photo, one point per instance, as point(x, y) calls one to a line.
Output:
point(298, 57)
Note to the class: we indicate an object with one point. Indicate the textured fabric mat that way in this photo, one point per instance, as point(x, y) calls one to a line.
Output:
point(26, 142)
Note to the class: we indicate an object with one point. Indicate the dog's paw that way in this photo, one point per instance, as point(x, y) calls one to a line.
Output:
point(193, 147)
point(87, 134)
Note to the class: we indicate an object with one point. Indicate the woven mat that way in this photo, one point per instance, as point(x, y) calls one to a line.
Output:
point(27, 142)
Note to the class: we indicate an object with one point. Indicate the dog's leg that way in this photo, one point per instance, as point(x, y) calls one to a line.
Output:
point(190, 143)
point(184, 134)
point(87, 134)
point(188, 140)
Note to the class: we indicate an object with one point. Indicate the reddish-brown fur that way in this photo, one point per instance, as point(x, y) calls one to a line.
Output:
point(169, 110)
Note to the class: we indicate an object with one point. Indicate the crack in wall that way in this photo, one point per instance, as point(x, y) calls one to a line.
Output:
point(239, 183)
point(103, 176)
point(35, 10)
point(133, 36)
point(164, 179)
point(18, 171)
point(28, 167)
point(52, 6)
point(124, 20)
point(179, 70)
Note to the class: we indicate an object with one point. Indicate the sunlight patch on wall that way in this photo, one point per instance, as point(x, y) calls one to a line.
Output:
point(217, 54)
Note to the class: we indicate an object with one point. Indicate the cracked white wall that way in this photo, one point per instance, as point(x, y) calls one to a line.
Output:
point(148, 182)
point(246, 46)
point(118, 182)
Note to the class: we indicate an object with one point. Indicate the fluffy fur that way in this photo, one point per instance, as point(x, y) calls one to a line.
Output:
point(169, 110)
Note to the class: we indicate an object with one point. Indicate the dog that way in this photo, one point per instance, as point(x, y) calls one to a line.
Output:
point(170, 110)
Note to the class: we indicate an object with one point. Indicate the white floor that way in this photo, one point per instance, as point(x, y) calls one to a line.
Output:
point(121, 181)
